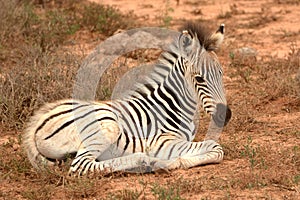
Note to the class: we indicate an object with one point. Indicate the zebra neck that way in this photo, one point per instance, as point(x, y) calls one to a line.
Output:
point(165, 102)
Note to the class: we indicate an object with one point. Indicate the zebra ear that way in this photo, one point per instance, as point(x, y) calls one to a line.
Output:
point(217, 38)
point(187, 43)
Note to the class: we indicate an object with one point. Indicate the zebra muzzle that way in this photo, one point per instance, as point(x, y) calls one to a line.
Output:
point(222, 115)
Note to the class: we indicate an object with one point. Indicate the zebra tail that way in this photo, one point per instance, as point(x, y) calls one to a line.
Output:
point(37, 160)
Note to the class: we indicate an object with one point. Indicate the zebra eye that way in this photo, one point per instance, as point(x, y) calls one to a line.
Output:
point(199, 79)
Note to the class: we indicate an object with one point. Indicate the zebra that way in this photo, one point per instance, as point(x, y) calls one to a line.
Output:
point(150, 128)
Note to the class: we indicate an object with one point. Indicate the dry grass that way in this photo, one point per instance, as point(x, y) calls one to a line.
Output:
point(37, 67)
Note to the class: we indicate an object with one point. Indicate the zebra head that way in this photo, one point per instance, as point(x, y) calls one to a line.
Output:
point(204, 71)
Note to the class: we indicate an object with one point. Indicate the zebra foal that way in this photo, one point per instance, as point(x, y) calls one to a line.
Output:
point(150, 128)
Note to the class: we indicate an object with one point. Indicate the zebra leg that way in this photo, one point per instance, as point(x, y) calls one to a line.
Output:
point(135, 163)
point(214, 154)
point(201, 153)
point(198, 153)
point(93, 145)
point(82, 162)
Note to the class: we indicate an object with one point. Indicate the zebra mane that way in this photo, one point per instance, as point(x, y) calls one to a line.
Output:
point(203, 37)
point(209, 40)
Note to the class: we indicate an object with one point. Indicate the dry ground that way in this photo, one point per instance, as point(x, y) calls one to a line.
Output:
point(262, 141)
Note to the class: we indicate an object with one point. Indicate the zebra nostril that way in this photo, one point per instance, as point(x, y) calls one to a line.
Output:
point(222, 115)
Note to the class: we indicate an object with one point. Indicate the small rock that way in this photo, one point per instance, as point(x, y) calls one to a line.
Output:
point(246, 52)
point(15, 147)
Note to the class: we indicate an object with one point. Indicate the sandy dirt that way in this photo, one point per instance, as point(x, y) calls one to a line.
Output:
point(267, 35)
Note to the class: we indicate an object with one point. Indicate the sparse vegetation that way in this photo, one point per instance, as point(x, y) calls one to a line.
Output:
point(105, 19)
point(171, 192)
point(37, 68)
point(165, 18)
point(275, 78)
point(233, 10)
